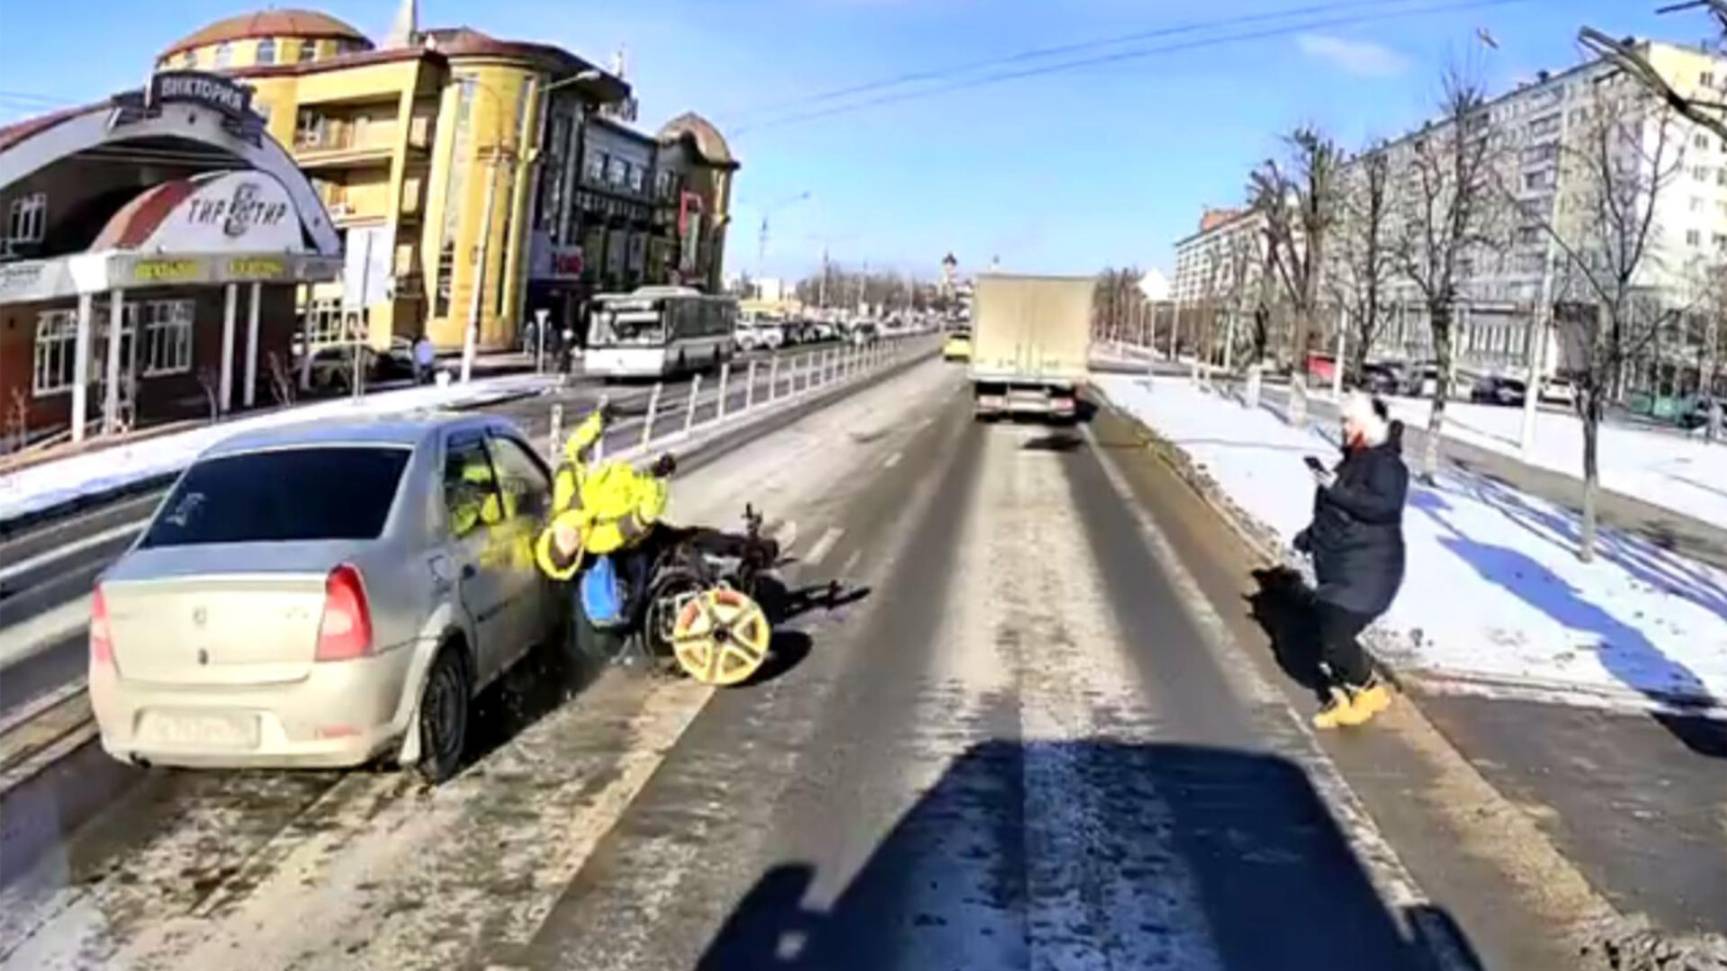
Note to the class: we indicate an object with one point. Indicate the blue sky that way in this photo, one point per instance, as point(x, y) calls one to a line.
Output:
point(1062, 172)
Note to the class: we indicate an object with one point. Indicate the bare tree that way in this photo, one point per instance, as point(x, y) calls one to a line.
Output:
point(1114, 304)
point(1612, 307)
point(1452, 217)
point(1363, 266)
point(1299, 204)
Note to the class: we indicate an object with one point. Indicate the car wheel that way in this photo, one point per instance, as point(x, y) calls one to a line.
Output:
point(443, 716)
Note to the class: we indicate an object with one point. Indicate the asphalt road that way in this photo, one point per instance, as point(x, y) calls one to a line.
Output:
point(1019, 716)
point(1002, 728)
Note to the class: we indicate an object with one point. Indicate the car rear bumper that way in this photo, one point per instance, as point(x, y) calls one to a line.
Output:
point(343, 713)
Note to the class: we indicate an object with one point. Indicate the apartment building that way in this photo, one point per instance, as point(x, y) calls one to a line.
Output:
point(1537, 131)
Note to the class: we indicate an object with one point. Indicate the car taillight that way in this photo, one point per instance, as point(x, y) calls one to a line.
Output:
point(345, 632)
point(101, 639)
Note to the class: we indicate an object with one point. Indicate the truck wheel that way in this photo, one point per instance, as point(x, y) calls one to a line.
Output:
point(443, 716)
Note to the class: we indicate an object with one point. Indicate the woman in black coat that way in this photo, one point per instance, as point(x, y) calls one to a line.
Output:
point(1356, 541)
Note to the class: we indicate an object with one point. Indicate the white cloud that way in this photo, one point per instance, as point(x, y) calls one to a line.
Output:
point(1360, 57)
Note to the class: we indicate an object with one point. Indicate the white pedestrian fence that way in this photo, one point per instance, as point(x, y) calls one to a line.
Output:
point(711, 402)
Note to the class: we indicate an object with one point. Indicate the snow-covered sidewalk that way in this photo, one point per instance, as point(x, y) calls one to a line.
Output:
point(1495, 595)
point(1678, 472)
point(49, 484)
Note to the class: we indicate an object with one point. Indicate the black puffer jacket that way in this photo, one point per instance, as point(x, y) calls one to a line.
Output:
point(1357, 533)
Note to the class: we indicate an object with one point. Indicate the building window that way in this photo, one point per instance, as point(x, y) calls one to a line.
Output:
point(27, 218)
point(189, 59)
point(594, 166)
point(1696, 203)
point(1537, 180)
point(638, 178)
point(617, 170)
point(308, 50)
point(1707, 79)
point(167, 326)
point(1693, 237)
point(1721, 242)
point(1700, 173)
point(56, 351)
point(267, 51)
point(1700, 140)
point(224, 55)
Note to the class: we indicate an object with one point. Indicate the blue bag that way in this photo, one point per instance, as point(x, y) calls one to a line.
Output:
point(603, 594)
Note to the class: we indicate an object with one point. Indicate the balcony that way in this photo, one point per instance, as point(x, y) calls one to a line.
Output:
point(340, 146)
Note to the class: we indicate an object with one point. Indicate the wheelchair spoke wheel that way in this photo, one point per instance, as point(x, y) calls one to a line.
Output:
point(721, 637)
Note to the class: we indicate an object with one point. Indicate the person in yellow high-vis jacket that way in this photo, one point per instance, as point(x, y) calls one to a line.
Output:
point(598, 510)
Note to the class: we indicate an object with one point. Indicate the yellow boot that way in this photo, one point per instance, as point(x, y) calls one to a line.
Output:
point(1339, 710)
point(1369, 701)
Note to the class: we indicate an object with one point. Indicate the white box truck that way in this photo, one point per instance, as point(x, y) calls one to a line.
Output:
point(1031, 338)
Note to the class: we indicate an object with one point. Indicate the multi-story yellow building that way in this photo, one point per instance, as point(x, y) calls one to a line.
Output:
point(436, 154)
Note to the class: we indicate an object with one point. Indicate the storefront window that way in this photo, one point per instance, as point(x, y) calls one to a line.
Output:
point(167, 336)
point(56, 351)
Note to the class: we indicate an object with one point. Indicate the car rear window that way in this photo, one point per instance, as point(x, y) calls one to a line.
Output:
point(284, 495)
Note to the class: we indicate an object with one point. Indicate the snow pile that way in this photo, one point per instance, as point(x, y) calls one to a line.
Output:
point(1679, 472)
point(106, 469)
point(1494, 592)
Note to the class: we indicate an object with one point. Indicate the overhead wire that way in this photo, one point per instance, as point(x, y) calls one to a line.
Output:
point(1036, 53)
point(1449, 6)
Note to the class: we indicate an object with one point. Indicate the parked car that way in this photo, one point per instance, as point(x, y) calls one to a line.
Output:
point(1496, 390)
point(863, 334)
point(1423, 380)
point(1558, 390)
point(325, 594)
point(1381, 378)
point(1697, 414)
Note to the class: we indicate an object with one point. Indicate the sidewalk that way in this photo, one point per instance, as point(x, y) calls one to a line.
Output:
point(1495, 599)
point(37, 488)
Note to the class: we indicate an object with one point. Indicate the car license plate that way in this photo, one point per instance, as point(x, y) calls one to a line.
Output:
point(202, 730)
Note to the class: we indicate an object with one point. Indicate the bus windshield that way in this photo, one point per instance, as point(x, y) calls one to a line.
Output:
point(614, 326)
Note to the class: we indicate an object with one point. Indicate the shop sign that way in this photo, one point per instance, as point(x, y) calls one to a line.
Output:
point(227, 98)
point(257, 267)
point(227, 211)
point(167, 271)
point(21, 280)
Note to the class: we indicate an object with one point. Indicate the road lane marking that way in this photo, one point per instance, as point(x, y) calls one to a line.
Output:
point(851, 564)
point(69, 549)
point(20, 642)
point(893, 460)
point(824, 546)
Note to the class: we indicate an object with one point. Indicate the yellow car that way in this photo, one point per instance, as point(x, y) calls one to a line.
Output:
point(957, 347)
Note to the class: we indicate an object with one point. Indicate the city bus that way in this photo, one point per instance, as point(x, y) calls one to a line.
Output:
point(658, 332)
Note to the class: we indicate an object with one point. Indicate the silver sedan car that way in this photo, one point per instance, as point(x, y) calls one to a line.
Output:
point(325, 595)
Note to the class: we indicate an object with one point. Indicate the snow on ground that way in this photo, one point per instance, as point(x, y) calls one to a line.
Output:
point(92, 473)
point(1664, 467)
point(1678, 472)
point(1494, 592)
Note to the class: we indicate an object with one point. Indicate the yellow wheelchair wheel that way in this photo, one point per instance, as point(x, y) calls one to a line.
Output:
point(721, 637)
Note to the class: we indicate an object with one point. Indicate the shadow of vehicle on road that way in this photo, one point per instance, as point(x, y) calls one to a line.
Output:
point(1170, 856)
